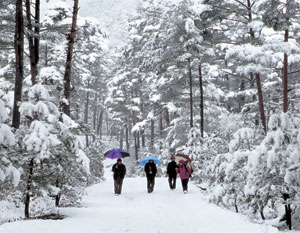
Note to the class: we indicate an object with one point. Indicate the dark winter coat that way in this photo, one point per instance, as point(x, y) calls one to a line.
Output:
point(171, 169)
point(119, 172)
point(150, 167)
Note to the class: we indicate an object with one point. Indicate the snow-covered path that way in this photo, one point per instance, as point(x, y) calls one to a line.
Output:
point(136, 211)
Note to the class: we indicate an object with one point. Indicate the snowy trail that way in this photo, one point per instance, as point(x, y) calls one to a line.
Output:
point(136, 211)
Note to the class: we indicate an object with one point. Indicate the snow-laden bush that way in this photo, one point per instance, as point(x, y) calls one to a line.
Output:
point(254, 175)
point(53, 156)
point(8, 172)
point(10, 212)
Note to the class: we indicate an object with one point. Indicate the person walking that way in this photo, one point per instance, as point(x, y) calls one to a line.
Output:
point(119, 170)
point(172, 173)
point(150, 169)
point(184, 173)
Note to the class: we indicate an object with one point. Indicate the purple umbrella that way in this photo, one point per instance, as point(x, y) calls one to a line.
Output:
point(116, 153)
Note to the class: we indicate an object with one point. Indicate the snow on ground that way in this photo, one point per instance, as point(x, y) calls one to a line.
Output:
point(136, 211)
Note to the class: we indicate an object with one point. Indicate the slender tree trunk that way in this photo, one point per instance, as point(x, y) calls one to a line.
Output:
point(28, 188)
point(37, 32)
point(86, 113)
point(285, 76)
point(127, 137)
point(167, 118)
point(68, 70)
point(152, 134)
point(262, 214)
point(138, 138)
point(95, 113)
point(58, 196)
point(257, 76)
point(107, 124)
point(261, 102)
point(95, 118)
point(100, 124)
point(143, 138)
point(19, 54)
point(33, 40)
point(191, 93)
point(46, 55)
point(242, 98)
point(121, 137)
point(201, 102)
point(161, 127)
point(135, 146)
point(87, 102)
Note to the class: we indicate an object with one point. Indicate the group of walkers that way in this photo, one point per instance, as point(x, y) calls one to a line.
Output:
point(173, 169)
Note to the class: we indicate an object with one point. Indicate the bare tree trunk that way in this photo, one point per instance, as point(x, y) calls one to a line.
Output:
point(143, 138)
point(87, 102)
point(121, 137)
point(37, 32)
point(95, 118)
point(285, 76)
point(58, 196)
point(28, 188)
point(127, 137)
point(86, 113)
point(167, 118)
point(135, 146)
point(19, 53)
point(152, 133)
point(201, 102)
point(68, 70)
point(46, 55)
point(261, 102)
point(32, 47)
point(242, 98)
point(138, 134)
point(95, 113)
point(100, 124)
point(161, 127)
point(191, 94)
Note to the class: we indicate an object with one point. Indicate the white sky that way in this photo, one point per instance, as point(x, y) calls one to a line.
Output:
point(111, 14)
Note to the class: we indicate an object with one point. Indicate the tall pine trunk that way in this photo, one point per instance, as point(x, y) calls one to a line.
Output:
point(68, 69)
point(257, 76)
point(161, 127)
point(191, 93)
point(19, 54)
point(285, 75)
point(86, 113)
point(37, 32)
point(28, 189)
point(127, 136)
point(261, 102)
point(33, 40)
point(135, 146)
point(121, 137)
point(167, 118)
point(152, 134)
point(201, 102)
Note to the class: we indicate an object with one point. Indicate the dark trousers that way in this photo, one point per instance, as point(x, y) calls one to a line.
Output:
point(172, 182)
point(118, 185)
point(185, 184)
point(150, 184)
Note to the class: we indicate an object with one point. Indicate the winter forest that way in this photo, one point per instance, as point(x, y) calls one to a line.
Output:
point(214, 79)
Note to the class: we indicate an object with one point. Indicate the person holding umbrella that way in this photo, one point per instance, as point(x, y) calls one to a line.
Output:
point(184, 173)
point(119, 170)
point(172, 173)
point(150, 169)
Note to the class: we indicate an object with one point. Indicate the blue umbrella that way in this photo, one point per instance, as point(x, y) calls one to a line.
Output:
point(146, 159)
point(116, 153)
